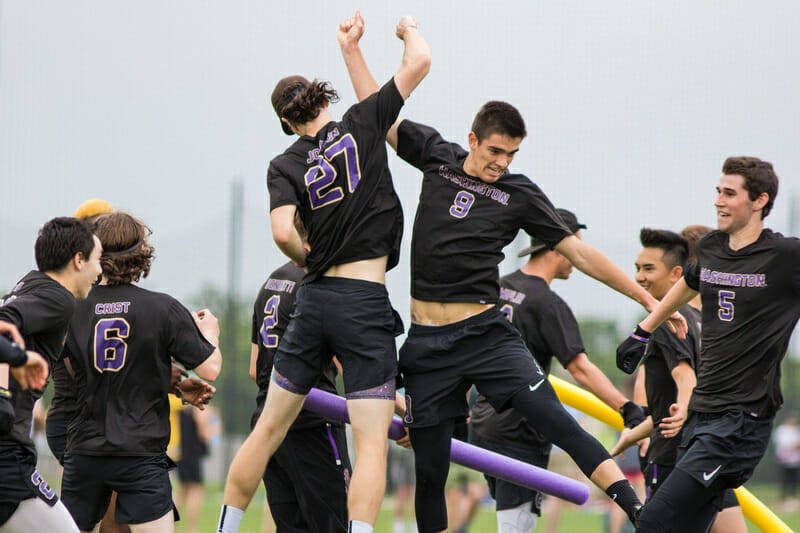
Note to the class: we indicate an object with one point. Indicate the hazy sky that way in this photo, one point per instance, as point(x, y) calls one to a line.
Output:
point(158, 106)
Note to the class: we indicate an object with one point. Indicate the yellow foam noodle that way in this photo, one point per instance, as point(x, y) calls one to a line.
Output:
point(752, 508)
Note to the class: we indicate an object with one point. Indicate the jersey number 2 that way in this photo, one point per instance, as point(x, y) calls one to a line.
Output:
point(319, 178)
point(110, 345)
point(270, 321)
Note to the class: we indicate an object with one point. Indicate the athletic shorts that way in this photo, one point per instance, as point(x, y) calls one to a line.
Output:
point(440, 363)
point(19, 481)
point(307, 479)
point(347, 317)
point(142, 484)
point(190, 470)
point(56, 431)
point(655, 475)
point(506, 494)
point(725, 445)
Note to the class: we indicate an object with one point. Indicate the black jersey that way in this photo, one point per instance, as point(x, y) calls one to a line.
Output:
point(664, 352)
point(271, 315)
point(340, 182)
point(751, 303)
point(41, 308)
point(120, 345)
point(65, 398)
point(462, 223)
point(549, 329)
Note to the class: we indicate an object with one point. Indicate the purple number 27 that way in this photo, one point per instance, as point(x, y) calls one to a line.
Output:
point(320, 177)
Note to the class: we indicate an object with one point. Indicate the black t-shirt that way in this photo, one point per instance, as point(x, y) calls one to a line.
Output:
point(751, 303)
point(463, 223)
point(121, 343)
point(664, 352)
point(41, 309)
point(271, 315)
point(549, 329)
point(340, 182)
point(65, 398)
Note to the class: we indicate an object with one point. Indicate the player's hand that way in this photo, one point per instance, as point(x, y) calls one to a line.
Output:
point(405, 441)
point(632, 414)
point(33, 374)
point(404, 24)
point(643, 444)
point(677, 324)
point(10, 330)
point(632, 349)
point(672, 425)
point(350, 30)
point(196, 392)
point(177, 375)
point(208, 325)
point(625, 441)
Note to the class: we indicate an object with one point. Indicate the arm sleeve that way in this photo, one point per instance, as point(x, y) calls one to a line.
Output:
point(559, 328)
point(379, 110)
point(186, 342)
point(417, 142)
point(540, 218)
point(280, 187)
point(691, 275)
point(673, 349)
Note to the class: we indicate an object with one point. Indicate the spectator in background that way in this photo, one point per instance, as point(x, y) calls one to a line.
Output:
point(787, 452)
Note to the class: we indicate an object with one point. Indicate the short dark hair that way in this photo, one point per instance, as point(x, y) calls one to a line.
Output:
point(127, 255)
point(308, 102)
point(759, 177)
point(692, 234)
point(675, 247)
point(59, 240)
point(498, 117)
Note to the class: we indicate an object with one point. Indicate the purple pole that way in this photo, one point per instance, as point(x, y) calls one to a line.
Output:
point(496, 465)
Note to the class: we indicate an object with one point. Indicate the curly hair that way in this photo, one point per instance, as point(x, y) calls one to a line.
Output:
point(307, 104)
point(127, 255)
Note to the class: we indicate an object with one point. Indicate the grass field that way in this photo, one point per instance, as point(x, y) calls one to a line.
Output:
point(587, 519)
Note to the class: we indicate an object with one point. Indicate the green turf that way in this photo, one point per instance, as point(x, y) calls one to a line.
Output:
point(577, 521)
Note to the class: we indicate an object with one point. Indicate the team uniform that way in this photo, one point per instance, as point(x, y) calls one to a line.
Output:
point(62, 408)
point(549, 329)
point(340, 182)
point(307, 476)
point(461, 227)
point(41, 308)
point(121, 342)
point(751, 303)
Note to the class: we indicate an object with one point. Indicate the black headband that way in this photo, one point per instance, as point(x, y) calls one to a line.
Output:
point(125, 251)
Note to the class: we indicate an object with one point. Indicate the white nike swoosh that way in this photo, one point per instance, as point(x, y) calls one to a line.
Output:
point(614, 497)
point(709, 475)
point(534, 387)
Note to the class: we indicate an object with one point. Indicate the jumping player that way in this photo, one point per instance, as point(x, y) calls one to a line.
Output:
point(549, 329)
point(40, 306)
point(469, 209)
point(337, 176)
point(668, 367)
point(120, 346)
point(306, 478)
point(749, 279)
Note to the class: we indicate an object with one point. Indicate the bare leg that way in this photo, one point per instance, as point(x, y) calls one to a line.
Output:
point(244, 476)
point(370, 419)
point(165, 524)
point(109, 524)
point(729, 520)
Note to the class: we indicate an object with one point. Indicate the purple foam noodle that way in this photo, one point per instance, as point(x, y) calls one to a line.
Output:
point(494, 464)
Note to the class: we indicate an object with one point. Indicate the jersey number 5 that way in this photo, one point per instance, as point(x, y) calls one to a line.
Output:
point(726, 305)
point(110, 345)
point(319, 178)
point(270, 321)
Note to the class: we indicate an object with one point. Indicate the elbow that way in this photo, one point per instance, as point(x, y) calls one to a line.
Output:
point(281, 236)
point(421, 63)
point(211, 368)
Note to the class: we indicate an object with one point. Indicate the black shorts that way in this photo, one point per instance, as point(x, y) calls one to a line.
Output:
point(508, 495)
point(350, 318)
point(142, 484)
point(307, 479)
point(440, 363)
point(190, 470)
point(19, 481)
point(725, 445)
point(56, 431)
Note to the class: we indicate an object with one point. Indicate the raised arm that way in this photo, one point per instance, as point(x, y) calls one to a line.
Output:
point(413, 68)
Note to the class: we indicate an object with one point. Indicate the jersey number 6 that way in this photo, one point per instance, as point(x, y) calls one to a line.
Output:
point(109, 344)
